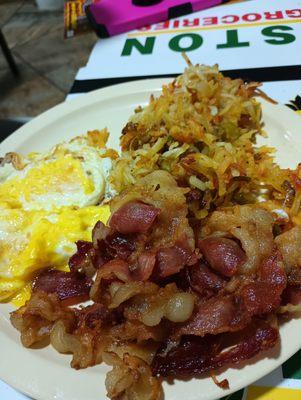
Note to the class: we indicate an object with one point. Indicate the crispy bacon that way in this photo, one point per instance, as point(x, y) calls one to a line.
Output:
point(106, 246)
point(118, 245)
point(95, 316)
point(198, 355)
point(118, 268)
point(207, 305)
point(84, 260)
point(99, 233)
point(223, 254)
point(135, 330)
point(216, 315)
point(114, 270)
point(252, 226)
point(145, 267)
point(69, 287)
point(232, 312)
point(257, 299)
point(292, 295)
point(272, 271)
point(170, 260)
point(264, 295)
point(36, 318)
point(134, 217)
point(188, 358)
point(169, 221)
point(204, 281)
point(294, 277)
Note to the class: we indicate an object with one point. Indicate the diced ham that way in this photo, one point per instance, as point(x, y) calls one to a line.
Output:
point(145, 266)
point(170, 260)
point(223, 255)
point(134, 217)
point(204, 281)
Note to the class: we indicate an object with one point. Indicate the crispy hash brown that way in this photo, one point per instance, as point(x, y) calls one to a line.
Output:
point(191, 272)
point(202, 130)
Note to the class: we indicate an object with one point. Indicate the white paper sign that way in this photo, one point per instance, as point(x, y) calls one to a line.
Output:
point(255, 34)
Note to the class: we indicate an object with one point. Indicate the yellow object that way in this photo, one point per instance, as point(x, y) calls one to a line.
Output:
point(64, 174)
point(24, 294)
point(272, 393)
point(34, 240)
point(47, 203)
point(21, 297)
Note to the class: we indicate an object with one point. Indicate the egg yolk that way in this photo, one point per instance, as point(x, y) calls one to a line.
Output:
point(33, 240)
point(65, 174)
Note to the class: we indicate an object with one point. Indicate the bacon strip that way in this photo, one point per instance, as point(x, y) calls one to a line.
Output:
point(117, 245)
point(264, 295)
point(232, 312)
point(99, 233)
point(204, 281)
point(291, 295)
point(170, 260)
point(145, 267)
point(114, 270)
point(69, 287)
point(223, 254)
point(198, 355)
point(84, 259)
point(216, 315)
point(294, 277)
point(94, 317)
point(134, 217)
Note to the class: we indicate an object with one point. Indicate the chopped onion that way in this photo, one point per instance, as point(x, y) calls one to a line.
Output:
point(179, 307)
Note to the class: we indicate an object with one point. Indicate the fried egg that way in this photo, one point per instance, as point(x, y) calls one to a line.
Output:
point(71, 174)
point(48, 202)
point(34, 240)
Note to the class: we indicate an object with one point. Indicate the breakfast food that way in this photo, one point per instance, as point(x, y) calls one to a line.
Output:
point(202, 130)
point(49, 201)
point(200, 256)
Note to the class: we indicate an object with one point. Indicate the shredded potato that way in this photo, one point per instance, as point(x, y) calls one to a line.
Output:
point(202, 130)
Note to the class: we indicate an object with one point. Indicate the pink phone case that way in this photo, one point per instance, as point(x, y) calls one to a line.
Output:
point(111, 17)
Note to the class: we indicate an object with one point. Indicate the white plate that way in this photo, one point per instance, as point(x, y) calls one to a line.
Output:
point(45, 374)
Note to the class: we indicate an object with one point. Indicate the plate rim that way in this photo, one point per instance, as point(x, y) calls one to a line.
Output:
point(62, 110)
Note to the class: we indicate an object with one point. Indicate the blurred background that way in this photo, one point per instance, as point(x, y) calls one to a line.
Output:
point(46, 62)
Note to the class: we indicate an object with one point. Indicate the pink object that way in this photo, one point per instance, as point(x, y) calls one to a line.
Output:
point(111, 17)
